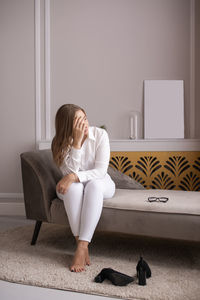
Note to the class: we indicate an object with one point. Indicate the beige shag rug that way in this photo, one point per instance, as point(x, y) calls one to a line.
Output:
point(175, 265)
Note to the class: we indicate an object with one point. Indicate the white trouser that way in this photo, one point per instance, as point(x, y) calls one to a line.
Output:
point(84, 203)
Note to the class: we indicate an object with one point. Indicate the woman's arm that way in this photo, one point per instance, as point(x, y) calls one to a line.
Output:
point(63, 185)
point(72, 160)
point(102, 159)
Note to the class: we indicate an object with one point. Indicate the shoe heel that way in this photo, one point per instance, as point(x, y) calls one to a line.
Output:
point(99, 279)
point(141, 274)
point(101, 276)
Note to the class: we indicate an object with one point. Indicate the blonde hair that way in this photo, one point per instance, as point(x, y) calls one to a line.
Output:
point(62, 140)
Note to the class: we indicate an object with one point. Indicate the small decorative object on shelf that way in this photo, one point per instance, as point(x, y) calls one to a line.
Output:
point(103, 126)
point(135, 125)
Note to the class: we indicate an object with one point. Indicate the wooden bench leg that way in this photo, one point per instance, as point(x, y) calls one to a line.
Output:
point(36, 232)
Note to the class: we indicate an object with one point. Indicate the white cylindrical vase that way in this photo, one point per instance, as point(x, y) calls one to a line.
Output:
point(135, 125)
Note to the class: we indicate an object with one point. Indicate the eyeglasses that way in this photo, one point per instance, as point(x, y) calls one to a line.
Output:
point(158, 199)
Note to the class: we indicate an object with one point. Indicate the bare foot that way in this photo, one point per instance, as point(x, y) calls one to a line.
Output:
point(87, 258)
point(78, 263)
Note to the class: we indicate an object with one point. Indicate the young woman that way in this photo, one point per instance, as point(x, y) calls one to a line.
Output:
point(82, 153)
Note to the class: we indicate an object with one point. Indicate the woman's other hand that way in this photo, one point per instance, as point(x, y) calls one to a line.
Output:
point(64, 184)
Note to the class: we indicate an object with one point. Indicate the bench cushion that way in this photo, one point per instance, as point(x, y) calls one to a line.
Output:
point(180, 202)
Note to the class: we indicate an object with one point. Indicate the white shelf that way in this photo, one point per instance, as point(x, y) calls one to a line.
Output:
point(156, 145)
point(145, 145)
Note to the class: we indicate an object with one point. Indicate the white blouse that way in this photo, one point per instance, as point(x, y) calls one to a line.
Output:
point(92, 159)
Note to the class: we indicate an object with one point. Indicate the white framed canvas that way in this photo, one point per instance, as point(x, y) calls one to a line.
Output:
point(163, 109)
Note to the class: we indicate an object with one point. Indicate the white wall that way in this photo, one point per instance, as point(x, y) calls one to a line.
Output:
point(197, 70)
point(17, 100)
point(100, 53)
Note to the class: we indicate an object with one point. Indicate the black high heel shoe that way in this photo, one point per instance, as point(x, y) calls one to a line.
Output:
point(143, 271)
point(114, 276)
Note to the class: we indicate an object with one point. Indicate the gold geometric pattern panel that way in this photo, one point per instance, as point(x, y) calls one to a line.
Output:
point(170, 170)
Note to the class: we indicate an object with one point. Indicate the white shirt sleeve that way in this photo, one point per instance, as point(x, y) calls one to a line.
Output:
point(102, 158)
point(71, 162)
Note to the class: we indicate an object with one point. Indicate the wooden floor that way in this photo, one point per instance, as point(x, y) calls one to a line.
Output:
point(13, 291)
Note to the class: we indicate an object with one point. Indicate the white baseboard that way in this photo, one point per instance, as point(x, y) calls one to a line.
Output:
point(12, 209)
point(12, 204)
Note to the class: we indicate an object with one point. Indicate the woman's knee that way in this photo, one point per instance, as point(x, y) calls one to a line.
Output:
point(94, 185)
point(76, 188)
point(109, 190)
point(105, 186)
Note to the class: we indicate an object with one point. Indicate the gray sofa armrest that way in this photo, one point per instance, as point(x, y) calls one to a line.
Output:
point(39, 176)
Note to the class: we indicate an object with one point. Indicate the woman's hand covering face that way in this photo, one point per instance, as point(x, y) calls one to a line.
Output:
point(80, 127)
